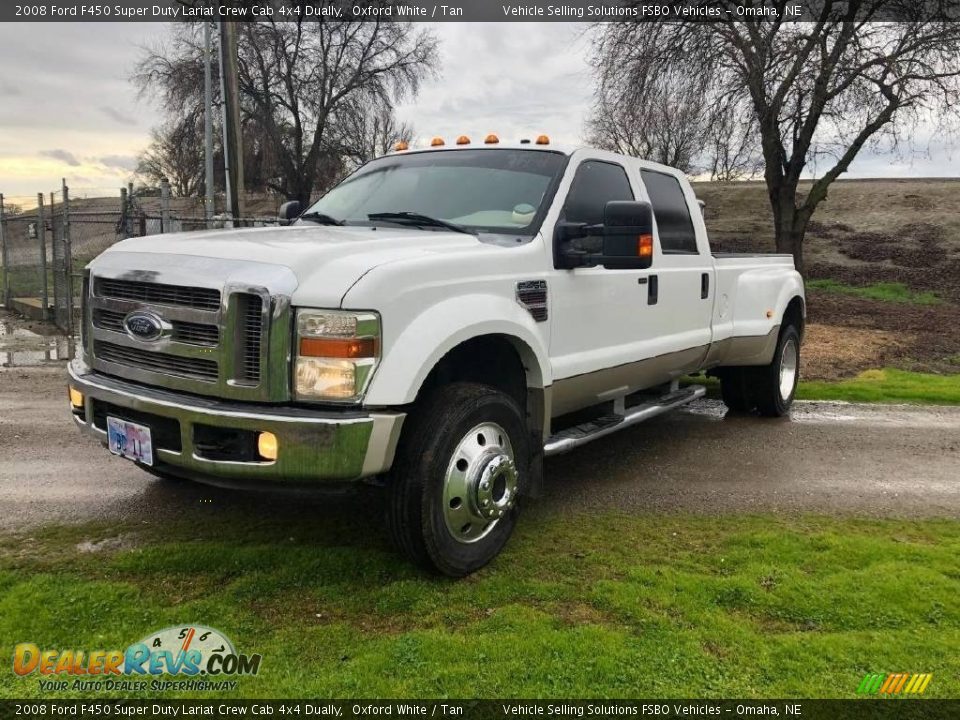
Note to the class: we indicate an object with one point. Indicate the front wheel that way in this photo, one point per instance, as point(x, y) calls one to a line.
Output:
point(453, 492)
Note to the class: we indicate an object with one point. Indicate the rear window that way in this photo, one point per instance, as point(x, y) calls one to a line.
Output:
point(671, 211)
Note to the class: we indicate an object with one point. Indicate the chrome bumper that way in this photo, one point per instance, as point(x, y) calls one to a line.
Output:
point(314, 446)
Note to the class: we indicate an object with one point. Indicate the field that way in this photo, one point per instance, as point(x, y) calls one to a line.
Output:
point(883, 262)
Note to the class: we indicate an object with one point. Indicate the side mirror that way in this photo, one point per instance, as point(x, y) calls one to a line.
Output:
point(627, 235)
point(289, 211)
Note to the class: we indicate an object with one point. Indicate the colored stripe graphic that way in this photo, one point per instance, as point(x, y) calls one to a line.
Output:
point(894, 683)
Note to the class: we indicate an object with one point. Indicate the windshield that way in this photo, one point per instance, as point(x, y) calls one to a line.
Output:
point(496, 191)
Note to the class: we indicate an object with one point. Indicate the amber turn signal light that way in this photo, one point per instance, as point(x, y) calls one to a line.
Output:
point(645, 246)
point(338, 347)
point(76, 399)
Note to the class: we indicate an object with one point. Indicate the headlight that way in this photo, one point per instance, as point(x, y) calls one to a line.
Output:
point(337, 353)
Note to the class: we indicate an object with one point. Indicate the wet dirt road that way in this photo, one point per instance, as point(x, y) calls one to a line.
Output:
point(827, 458)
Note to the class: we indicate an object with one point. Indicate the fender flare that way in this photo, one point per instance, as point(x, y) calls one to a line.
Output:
point(438, 329)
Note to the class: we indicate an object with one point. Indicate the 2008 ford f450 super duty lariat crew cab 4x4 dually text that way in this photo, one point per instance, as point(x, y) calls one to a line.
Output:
point(436, 323)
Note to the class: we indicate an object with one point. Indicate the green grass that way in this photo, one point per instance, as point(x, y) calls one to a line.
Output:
point(885, 291)
point(872, 386)
point(582, 605)
point(887, 386)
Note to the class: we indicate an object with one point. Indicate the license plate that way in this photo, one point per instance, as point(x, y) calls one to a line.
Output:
point(130, 440)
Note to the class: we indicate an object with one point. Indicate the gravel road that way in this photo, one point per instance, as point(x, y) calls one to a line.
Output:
point(827, 458)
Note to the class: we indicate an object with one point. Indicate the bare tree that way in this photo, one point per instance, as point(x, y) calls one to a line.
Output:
point(367, 132)
point(817, 91)
point(175, 152)
point(655, 113)
point(296, 79)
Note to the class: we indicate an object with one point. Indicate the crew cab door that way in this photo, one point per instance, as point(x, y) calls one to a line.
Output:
point(600, 317)
point(684, 271)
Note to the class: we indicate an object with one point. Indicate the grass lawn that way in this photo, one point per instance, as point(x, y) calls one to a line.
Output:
point(578, 606)
point(885, 291)
point(874, 386)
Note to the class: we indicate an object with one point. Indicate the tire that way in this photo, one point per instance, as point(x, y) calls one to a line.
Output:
point(775, 384)
point(736, 390)
point(452, 495)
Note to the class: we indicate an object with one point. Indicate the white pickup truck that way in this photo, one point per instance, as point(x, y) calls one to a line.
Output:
point(437, 323)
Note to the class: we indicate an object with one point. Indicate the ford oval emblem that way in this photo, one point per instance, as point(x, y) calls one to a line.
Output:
point(143, 326)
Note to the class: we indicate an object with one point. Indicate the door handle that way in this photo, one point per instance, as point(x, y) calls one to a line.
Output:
point(704, 286)
point(653, 290)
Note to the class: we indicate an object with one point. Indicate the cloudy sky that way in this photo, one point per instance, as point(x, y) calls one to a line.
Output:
point(68, 110)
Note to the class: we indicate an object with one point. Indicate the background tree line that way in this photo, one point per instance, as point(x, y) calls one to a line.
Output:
point(727, 99)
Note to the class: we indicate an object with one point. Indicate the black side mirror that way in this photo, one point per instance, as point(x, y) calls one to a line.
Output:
point(627, 235)
point(289, 211)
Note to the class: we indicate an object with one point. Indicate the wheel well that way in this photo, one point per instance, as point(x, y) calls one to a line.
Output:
point(793, 315)
point(489, 360)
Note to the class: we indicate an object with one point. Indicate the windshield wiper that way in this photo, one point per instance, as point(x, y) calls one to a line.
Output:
point(414, 218)
point(322, 218)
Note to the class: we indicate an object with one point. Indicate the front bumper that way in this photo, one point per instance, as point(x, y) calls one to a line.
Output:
point(315, 447)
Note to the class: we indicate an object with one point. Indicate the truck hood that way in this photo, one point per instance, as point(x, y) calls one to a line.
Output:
point(326, 260)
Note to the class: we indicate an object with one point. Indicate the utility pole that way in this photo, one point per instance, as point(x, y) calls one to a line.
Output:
point(233, 143)
point(208, 120)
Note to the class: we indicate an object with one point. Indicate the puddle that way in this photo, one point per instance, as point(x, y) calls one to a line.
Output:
point(20, 347)
point(111, 544)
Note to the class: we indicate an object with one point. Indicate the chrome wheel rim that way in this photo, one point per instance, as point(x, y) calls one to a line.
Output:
point(788, 368)
point(480, 486)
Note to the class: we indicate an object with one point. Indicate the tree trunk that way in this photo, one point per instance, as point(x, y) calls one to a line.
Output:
point(790, 224)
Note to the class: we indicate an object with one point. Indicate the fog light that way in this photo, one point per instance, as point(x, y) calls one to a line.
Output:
point(76, 399)
point(267, 445)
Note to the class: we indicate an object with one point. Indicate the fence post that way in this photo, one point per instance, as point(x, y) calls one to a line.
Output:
point(5, 295)
point(164, 205)
point(124, 218)
point(42, 238)
point(67, 256)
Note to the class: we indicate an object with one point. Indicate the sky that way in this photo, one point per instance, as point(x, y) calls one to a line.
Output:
point(68, 110)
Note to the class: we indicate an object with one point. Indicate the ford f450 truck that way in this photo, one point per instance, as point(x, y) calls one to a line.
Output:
point(437, 323)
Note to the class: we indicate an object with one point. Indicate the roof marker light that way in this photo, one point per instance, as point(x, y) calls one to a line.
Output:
point(543, 140)
point(401, 146)
point(463, 140)
point(437, 142)
point(491, 139)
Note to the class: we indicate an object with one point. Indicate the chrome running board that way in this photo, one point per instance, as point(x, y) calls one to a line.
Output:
point(574, 437)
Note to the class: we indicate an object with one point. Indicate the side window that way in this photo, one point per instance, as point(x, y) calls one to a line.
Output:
point(671, 211)
point(594, 184)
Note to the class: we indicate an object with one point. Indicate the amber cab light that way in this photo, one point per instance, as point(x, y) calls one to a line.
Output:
point(463, 140)
point(543, 140)
point(491, 139)
point(436, 142)
point(401, 146)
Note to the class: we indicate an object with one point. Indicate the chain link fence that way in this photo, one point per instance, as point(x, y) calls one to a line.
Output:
point(48, 240)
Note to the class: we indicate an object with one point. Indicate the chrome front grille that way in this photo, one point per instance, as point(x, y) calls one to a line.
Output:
point(158, 362)
point(158, 293)
point(250, 341)
point(186, 332)
point(213, 341)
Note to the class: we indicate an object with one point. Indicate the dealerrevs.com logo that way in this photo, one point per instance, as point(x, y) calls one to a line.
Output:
point(191, 651)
